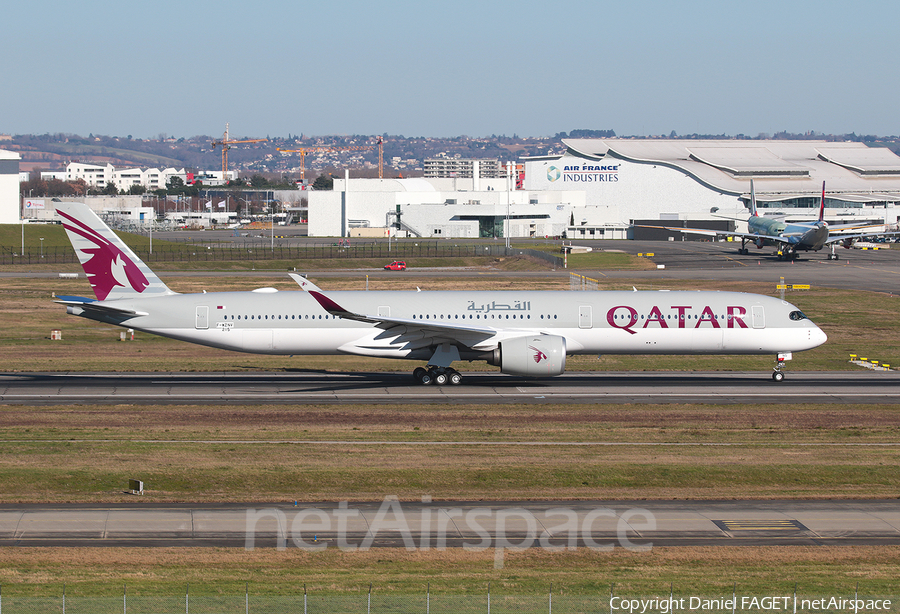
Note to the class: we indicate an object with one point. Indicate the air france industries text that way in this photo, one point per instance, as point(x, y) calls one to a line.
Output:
point(590, 173)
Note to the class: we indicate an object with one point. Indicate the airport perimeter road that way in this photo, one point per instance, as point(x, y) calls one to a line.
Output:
point(477, 388)
point(875, 271)
point(426, 525)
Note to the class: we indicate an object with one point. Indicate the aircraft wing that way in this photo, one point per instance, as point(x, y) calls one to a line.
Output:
point(422, 333)
point(850, 239)
point(750, 236)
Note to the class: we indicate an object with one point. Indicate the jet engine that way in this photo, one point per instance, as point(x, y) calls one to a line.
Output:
point(533, 356)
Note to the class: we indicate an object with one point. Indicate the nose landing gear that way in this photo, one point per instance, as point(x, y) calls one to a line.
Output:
point(778, 374)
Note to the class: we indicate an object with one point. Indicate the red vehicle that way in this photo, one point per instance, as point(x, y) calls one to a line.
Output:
point(396, 265)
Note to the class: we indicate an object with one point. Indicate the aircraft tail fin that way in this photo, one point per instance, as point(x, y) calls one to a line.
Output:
point(822, 204)
point(752, 200)
point(114, 271)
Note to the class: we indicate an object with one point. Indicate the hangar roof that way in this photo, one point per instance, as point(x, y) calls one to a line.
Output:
point(780, 169)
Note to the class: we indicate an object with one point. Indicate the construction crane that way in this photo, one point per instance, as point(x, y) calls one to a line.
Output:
point(226, 144)
point(305, 150)
point(380, 158)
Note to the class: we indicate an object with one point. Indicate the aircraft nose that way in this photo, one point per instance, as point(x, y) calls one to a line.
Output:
point(818, 337)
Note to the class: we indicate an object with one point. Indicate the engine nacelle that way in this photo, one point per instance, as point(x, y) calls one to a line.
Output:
point(532, 356)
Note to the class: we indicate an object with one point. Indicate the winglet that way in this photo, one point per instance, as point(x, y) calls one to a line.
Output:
point(822, 205)
point(304, 283)
point(336, 310)
point(752, 200)
point(327, 304)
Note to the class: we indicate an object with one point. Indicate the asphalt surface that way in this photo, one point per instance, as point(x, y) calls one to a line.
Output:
point(231, 388)
point(426, 525)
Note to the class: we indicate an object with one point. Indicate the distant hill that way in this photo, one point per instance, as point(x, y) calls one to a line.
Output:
point(401, 154)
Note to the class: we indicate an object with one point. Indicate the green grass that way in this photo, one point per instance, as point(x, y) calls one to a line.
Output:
point(216, 454)
point(709, 571)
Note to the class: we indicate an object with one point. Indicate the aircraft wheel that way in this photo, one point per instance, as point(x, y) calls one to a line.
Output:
point(778, 376)
point(426, 378)
point(440, 378)
point(417, 373)
point(455, 378)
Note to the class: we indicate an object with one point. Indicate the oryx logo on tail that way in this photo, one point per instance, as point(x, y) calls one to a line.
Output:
point(106, 266)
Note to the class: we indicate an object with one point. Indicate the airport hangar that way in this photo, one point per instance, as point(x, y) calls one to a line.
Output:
point(599, 187)
point(10, 212)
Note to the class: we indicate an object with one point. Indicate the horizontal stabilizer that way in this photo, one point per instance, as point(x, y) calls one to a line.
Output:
point(88, 304)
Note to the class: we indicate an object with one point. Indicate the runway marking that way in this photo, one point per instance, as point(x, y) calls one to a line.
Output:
point(760, 525)
point(727, 257)
point(478, 395)
point(332, 442)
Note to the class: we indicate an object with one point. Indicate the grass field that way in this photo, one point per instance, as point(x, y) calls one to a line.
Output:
point(685, 571)
point(224, 454)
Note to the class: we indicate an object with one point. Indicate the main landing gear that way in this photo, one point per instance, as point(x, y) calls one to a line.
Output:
point(788, 255)
point(437, 375)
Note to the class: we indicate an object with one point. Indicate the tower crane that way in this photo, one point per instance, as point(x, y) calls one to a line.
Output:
point(226, 144)
point(305, 150)
point(380, 158)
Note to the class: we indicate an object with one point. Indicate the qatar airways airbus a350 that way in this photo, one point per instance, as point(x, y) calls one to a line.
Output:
point(524, 333)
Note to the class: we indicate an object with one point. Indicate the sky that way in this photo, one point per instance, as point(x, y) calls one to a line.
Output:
point(443, 69)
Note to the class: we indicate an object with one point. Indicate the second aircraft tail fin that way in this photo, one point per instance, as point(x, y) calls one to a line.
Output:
point(752, 200)
point(822, 204)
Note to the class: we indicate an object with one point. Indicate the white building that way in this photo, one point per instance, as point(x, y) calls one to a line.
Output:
point(625, 180)
point(215, 178)
point(10, 210)
point(98, 176)
point(446, 208)
point(463, 167)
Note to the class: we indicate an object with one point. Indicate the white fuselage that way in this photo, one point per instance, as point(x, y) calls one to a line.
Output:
point(272, 322)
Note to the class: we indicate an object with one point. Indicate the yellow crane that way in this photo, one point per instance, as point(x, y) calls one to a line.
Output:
point(305, 150)
point(380, 158)
point(226, 144)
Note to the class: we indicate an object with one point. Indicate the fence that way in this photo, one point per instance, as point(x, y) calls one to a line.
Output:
point(375, 602)
point(260, 249)
point(580, 282)
point(372, 602)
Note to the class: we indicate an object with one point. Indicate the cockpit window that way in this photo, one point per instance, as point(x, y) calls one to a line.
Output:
point(798, 315)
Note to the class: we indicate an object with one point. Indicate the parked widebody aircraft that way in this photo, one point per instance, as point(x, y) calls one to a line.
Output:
point(524, 333)
point(789, 238)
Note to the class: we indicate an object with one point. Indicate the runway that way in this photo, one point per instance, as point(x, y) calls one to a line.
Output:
point(300, 387)
point(455, 524)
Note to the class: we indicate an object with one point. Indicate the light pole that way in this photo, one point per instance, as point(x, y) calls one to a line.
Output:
point(508, 198)
point(272, 225)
